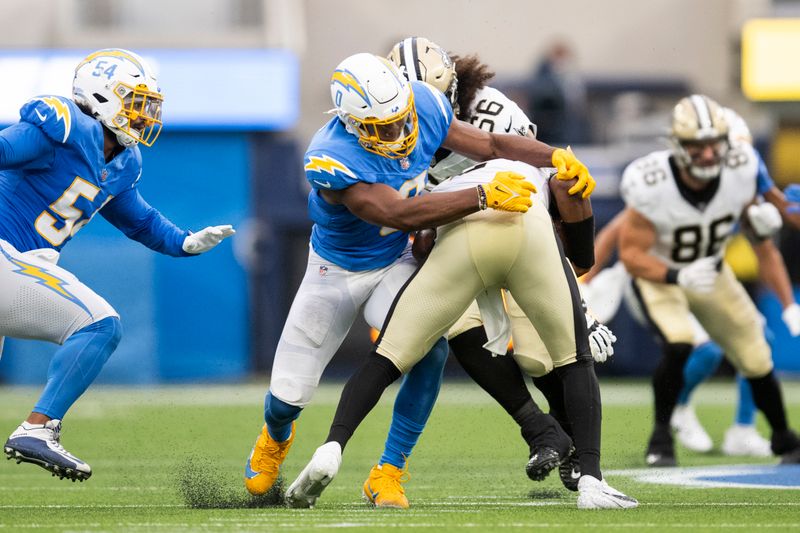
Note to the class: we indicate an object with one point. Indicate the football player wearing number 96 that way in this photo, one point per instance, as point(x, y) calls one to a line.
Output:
point(367, 167)
point(682, 206)
point(63, 162)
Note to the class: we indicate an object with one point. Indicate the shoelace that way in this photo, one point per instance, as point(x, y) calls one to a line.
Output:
point(272, 449)
point(402, 476)
point(56, 438)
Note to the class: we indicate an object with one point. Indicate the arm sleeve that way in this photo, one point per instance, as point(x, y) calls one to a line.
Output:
point(763, 179)
point(141, 222)
point(23, 144)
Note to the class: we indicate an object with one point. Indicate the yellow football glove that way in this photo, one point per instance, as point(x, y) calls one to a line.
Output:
point(508, 191)
point(568, 167)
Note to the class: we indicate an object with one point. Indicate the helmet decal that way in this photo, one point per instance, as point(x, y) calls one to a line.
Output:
point(348, 81)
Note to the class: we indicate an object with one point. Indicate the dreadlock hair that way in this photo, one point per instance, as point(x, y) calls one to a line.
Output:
point(472, 77)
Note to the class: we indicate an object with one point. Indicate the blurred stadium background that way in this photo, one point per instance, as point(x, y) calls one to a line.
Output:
point(246, 85)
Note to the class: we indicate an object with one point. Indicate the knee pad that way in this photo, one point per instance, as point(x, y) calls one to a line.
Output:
point(433, 362)
point(533, 367)
point(109, 329)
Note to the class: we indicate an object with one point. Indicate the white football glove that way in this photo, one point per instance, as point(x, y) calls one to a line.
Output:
point(206, 239)
point(791, 317)
point(700, 275)
point(601, 339)
point(765, 219)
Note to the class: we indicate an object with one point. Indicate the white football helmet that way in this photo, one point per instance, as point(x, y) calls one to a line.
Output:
point(699, 125)
point(120, 90)
point(376, 104)
point(423, 60)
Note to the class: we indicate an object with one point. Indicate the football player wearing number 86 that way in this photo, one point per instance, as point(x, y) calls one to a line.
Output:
point(682, 206)
point(63, 162)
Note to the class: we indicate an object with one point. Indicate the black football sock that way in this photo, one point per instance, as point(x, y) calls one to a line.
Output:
point(540, 429)
point(550, 385)
point(768, 399)
point(668, 381)
point(499, 376)
point(502, 379)
point(581, 392)
point(360, 394)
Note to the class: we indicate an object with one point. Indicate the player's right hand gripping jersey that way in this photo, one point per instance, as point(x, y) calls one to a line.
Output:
point(44, 203)
point(491, 111)
point(689, 227)
point(334, 161)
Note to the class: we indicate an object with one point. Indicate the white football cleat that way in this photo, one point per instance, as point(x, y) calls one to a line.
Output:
point(318, 473)
point(596, 494)
point(688, 429)
point(741, 440)
point(40, 444)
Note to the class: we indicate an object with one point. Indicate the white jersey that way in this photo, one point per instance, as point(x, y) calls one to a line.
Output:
point(689, 228)
point(492, 111)
point(738, 132)
point(483, 173)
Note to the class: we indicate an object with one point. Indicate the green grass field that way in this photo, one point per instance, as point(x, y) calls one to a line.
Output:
point(467, 472)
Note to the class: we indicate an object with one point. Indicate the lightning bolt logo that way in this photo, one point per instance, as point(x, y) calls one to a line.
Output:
point(349, 82)
point(62, 112)
point(326, 164)
point(45, 278)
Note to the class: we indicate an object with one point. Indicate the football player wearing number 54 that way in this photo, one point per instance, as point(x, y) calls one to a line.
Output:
point(63, 162)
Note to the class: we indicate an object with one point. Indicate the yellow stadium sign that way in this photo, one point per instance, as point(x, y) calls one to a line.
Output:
point(770, 48)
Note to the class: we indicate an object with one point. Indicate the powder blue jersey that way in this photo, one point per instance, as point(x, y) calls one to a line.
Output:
point(334, 160)
point(54, 178)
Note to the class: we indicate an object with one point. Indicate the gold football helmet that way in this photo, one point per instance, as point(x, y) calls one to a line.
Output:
point(423, 60)
point(699, 135)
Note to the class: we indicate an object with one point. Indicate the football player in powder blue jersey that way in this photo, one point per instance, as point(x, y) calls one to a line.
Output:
point(63, 162)
point(367, 168)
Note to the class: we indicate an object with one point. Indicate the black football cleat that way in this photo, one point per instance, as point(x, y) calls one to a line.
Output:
point(660, 449)
point(543, 460)
point(570, 471)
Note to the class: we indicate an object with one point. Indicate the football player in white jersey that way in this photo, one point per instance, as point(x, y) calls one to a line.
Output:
point(605, 288)
point(682, 206)
point(463, 80)
point(475, 258)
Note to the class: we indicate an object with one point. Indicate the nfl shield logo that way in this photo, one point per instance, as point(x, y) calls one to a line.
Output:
point(404, 164)
point(323, 270)
point(103, 175)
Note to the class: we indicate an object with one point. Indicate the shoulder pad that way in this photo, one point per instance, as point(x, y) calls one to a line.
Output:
point(326, 172)
point(641, 182)
point(491, 110)
point(437, 95)
point(52, 114)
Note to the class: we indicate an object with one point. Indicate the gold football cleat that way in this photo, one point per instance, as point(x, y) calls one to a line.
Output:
point(383, 487)
point(263, 465)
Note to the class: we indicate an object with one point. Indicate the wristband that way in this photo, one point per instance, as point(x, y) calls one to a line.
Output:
point(672, 276)
point(481, 198)
point(579, 242)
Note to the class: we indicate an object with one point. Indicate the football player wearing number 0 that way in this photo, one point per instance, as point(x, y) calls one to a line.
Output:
point(682, 205)
point(63, 162)
point(478, 257)
point(367, 167)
